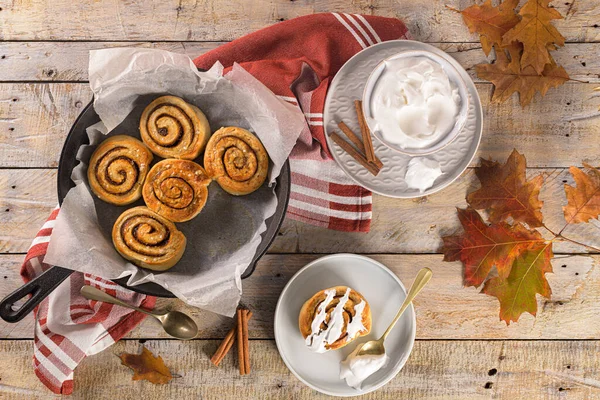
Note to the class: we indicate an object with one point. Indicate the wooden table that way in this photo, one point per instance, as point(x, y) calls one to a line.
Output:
point(462, 350)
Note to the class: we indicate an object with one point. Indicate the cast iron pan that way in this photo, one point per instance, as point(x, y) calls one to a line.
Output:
point(44, 284)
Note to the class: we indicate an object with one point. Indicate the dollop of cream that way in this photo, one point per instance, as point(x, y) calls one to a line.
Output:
point(422, 173)
point(414, 104)
point(356, 369)
point(320, 338)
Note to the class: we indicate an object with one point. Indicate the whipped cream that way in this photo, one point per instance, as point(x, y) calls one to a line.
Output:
point(355, 369)
point(414, 104)
point(422, 173)
point(320, 338)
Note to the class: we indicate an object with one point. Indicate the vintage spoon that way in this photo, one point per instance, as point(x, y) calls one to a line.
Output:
point(375, 347)
point(175, 323)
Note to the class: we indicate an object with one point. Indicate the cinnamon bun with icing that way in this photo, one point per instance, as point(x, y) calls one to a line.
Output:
point(334, 317)
point(172, 128)
point(176, 189)
point(147, 239)
point(117, 169)
point(237, 160)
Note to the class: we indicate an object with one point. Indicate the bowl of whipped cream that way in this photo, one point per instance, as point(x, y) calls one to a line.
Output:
point(415, 102)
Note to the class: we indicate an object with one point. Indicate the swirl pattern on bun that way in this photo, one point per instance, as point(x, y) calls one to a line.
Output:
point(334, 317)
point(117, 169)
point(172, 128)
point(147, 239)
point(176, 189)
point(237, 160)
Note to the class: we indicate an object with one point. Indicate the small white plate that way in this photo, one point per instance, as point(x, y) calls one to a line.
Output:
point(385, 294)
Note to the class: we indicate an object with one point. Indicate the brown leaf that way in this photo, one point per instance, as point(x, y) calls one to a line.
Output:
point(482, 247)
point(537, 34)
point(517, 293)
point(147, 366)
point(506, 192)
point(584, 199)
point(491, 23)
point(508, 78)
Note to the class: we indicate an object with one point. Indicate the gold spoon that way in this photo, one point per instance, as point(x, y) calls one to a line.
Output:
point(175, 323)
point(375, 347)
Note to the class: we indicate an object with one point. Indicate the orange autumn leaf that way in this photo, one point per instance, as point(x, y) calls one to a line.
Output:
point(146, 366)
point(506, 192)
point(482, 247)
point(583, 200)
point(527, 278)
point(508, 77)
point(491, 23)
point(537, 34)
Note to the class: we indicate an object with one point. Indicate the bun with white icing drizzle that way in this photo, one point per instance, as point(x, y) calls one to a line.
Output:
point(334, 317)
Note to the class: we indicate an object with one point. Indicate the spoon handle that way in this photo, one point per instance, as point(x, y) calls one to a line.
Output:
point(419, 283)
point(91, 293)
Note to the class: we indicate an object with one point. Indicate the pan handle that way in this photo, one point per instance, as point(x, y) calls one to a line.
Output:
point(39, 288)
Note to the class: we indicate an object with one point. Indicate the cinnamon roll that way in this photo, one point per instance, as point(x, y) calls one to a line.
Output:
point(333, 318)
point(117, 169)
point(148, 240)
point(172, 128)
point(237, 160)
point(176, 189)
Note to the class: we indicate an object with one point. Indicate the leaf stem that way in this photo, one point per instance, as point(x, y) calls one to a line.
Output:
point(578, 243)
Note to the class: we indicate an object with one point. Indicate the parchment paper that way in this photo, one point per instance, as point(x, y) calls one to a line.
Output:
point(223, 239)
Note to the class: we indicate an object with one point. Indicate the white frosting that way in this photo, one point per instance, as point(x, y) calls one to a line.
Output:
point(414, 104)
point(318, 339)
point(421, 173)
point(355, 369)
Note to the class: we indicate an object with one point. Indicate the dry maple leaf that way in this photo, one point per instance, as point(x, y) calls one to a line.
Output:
point(506, 192)
point(584, 199)
point(517, 293)
point(483, 246)
point(147, 366)
point(491, 23)
point(537, 34)
point(508, 77)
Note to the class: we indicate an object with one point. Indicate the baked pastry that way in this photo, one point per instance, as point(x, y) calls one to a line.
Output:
point(333, 318)
point(176, 189)
point(117, 169)
point(148, 240)
point(237, 160)
point(172, 128)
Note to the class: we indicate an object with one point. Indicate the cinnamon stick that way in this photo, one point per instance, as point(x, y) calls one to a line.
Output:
point(372, 168)
point(245, 344)
point(357, 142)
point(226, 344)
point(240, 341)
point(364, 129)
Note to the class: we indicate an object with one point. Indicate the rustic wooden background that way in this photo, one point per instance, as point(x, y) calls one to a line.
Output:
point(462, 350)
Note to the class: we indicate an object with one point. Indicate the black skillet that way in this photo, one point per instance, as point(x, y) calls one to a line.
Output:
point(40, 287)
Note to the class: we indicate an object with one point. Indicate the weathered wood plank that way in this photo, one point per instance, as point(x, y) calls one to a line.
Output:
point(435, 369)
point(445, 310)
point(35, 119)
point(68, 61)
point(399, 226)
point(217, 20)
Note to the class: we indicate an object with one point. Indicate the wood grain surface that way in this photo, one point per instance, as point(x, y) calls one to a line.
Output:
point(462, 351)
point(435, 370)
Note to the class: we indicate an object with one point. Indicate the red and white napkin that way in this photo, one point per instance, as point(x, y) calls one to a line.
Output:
point(296, 59)
point(69, 327)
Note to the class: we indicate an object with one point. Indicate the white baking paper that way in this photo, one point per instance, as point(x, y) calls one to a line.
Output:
point(223, 239)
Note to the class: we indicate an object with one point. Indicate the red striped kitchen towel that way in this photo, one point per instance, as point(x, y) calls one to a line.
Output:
point(69, 327)
point(297, 59)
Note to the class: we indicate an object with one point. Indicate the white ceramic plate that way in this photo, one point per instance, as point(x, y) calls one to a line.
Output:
point(385, 294)
point(348, 85)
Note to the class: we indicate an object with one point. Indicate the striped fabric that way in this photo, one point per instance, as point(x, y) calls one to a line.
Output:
point(297, 59)
point(69, 327)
